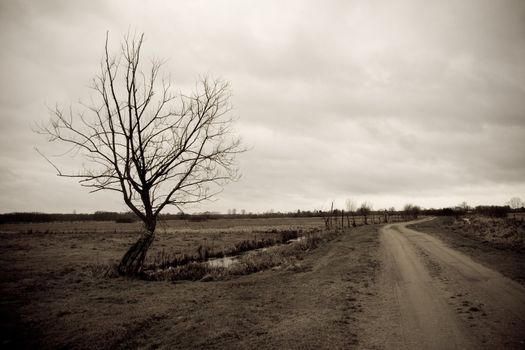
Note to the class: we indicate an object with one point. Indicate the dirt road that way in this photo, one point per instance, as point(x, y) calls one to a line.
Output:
point(430, 296)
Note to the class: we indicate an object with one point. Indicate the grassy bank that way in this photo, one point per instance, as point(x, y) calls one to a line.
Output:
point(496, 243)
point(280, 252)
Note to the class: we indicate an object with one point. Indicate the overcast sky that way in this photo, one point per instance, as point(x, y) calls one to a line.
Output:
point(385, 101)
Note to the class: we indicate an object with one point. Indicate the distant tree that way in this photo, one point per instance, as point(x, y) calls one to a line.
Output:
point(515, 203)
point(365, 209)
point(411, 211)
point(416, 209)
point(351, 208)
point(391, 212)
point(464, 206)
point(155, 147)
point(350, 205)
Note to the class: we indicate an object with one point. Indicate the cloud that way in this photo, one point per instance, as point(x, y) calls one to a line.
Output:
point(384, 101)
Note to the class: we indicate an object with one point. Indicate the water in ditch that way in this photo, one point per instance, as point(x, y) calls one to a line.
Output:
point(228, 261)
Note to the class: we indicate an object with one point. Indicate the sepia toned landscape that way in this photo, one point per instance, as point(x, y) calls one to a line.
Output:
point(346, 174)
point(60, 290)
point(67, 272)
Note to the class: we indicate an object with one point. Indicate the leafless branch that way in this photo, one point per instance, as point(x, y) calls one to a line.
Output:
point(155, 146)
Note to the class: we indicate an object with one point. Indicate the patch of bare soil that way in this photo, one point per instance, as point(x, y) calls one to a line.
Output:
point(496, 243)
point(54, 298)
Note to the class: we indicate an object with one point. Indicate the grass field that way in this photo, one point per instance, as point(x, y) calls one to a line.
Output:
point(54, 292)
point(68, 244)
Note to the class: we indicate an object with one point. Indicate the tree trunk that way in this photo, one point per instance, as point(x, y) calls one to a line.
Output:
point(133, 261)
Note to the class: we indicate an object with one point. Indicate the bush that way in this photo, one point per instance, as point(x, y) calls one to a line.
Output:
point(257, 262)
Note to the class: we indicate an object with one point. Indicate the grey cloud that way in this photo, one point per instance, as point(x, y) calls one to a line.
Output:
point(386, 101)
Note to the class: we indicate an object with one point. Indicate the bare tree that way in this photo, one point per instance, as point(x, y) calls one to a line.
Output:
point(392, 212)
point(365, 209)
point(351, 208)
point(411, 211)
point(515, 203)
point(156, 147)
point(464, 206)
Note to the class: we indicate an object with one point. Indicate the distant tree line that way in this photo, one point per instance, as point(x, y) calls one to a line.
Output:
point(51, 217)
point(128, 217)
point(131, 217)
point(495, 211)
point(409, 211)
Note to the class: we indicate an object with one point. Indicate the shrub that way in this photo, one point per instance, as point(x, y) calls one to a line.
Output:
point(193, 271)
point(310, 241)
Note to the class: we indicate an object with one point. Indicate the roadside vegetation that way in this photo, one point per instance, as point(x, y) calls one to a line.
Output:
point(497, 242)
point(503, 233)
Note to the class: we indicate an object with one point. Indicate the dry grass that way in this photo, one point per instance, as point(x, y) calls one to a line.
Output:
point(518, 216)
point(279, 253)
point(497, 243)
point(66, 243)
point(169, 226)
point(505, 233)
point(204, 252)
point(56, 293)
